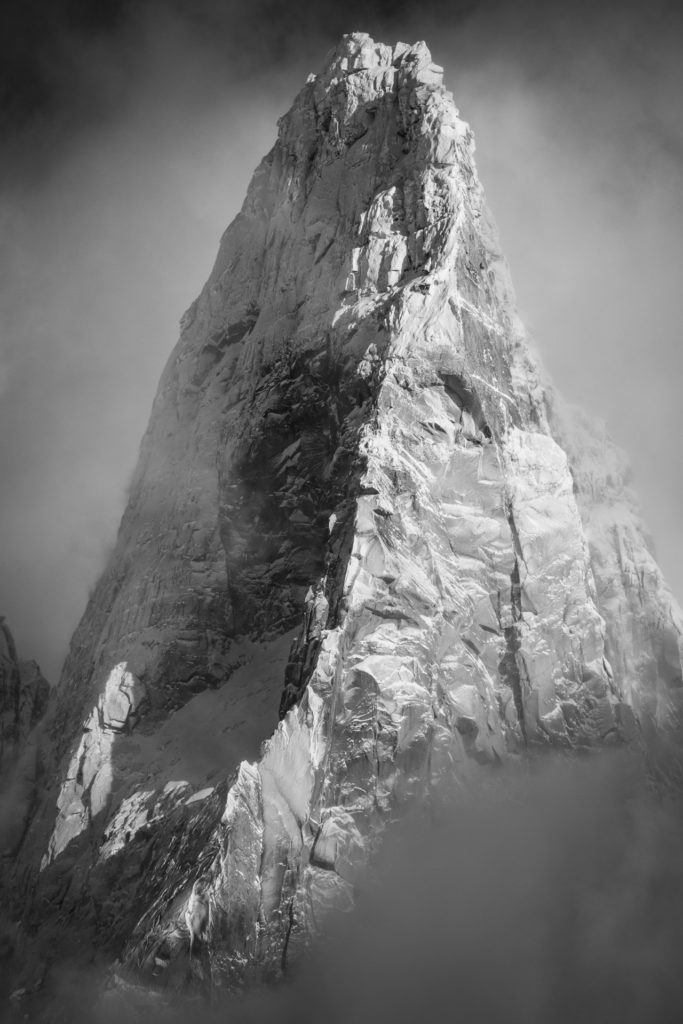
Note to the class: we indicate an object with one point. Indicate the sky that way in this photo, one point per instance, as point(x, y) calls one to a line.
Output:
point(129, 133)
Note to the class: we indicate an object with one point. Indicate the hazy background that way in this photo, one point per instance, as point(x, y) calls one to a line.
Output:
point(129, 134)
point(550, 896)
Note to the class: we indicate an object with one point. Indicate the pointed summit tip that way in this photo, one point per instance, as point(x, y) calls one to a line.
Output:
point(357, 51)
point(354, 43)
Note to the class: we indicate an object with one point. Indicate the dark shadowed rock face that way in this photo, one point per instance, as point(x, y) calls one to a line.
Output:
point(24, 694)
point(24, 698)
point(360, 508)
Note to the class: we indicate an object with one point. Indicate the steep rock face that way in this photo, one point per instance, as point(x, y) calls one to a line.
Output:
point(351, 431)
point(24, 694)
point(642, 623)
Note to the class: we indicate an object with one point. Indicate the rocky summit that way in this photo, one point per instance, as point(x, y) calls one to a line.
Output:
point(367, 550)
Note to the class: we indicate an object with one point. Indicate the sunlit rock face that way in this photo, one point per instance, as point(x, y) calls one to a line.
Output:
point(360, 508)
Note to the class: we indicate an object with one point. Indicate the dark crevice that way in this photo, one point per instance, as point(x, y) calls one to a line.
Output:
point(304, 651)
point(519, 554)
point(325, 251)
point(509, 666)
point(285, 945)
point(463, 395)
point(317, 861)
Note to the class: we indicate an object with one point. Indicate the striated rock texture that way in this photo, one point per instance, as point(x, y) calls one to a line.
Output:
point(358, 506)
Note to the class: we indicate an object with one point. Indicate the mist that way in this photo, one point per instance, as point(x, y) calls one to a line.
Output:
point(114, 194)
point(103, 249)
point(553, 893)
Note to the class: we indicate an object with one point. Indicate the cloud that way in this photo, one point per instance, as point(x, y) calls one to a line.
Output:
point(580, 149)
point(105, 247)
point(550, 892)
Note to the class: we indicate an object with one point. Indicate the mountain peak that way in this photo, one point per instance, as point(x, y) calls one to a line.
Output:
point(360, 508)
point(361, 52)
point(378, 67)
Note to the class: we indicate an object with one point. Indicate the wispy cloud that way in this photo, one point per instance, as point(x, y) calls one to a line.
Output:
point(549, 894)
